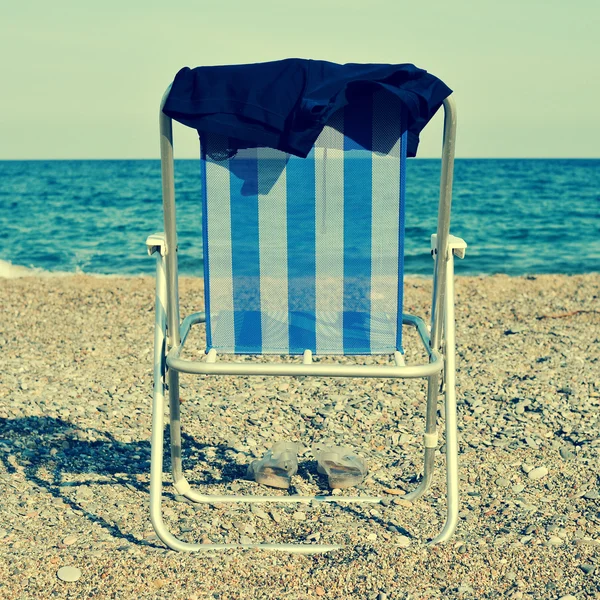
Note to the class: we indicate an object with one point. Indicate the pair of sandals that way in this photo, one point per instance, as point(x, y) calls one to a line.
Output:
point(340, 464)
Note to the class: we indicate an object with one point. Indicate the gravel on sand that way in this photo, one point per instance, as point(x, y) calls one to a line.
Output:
point(75, 399)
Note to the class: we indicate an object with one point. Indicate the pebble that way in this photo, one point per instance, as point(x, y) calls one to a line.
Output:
point(526, 539)
point(372, 537)
point(586, 541)
point(275, 515)
point(515, 329)
point(502, 482)
point(394, 492)
point(520, 407)
point(567, 454)
point(259, 512)
point(555, 541)
point(69, 540)
point(402, 541)
point(537, 473)
point(240, 526)
point(518, 488)
point(402, 502)
point(244, 539)
point(84, 493)
point(299, 516)
point(587, 568)
point(568, 597)
point(592, 495)
point(69, 573)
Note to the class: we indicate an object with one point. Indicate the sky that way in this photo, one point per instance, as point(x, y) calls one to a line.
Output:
point(83, 79)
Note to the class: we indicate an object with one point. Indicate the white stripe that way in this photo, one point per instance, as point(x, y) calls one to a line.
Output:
point(384, 224)
point(219, 251)
point(329, 240)
point(272, 234)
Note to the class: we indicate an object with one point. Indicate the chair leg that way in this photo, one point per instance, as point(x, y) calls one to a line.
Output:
point(157, 445)
point(430, 430)
point(450, 410)
point(158, 400)
point(156, 456)
point(175, 426)
point(430, 437)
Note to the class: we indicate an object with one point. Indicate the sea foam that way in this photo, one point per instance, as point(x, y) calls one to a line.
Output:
point(10, 271)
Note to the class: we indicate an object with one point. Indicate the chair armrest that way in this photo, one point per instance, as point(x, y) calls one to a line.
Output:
point(457, 245)
point(156, 243)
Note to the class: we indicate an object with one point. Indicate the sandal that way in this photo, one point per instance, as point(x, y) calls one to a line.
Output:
point(277, 466)
point(342, 466)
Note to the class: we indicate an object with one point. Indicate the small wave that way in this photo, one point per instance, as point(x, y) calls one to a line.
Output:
point(10, 271)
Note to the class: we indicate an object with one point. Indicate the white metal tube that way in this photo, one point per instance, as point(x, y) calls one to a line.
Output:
point(211, 367)
point(203, 499)
point(168, 193)
point(425, 483)
point(295, 369)
point(450, 411)
point(443, 225)
point(439, 284)
point(158, 399)
point(173, 332)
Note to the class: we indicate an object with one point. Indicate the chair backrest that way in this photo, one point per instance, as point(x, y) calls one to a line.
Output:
point(307, 253)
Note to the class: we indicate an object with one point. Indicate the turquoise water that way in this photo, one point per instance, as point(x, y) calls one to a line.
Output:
point(518, 216)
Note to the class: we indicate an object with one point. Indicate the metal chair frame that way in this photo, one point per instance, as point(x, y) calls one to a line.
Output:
point(171, 333)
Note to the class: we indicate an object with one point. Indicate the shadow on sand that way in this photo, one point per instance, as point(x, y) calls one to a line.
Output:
point(49, 450)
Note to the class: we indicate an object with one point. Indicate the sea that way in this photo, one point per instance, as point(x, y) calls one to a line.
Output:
point(518, 216)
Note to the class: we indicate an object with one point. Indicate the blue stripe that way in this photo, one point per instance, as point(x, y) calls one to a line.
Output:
point(245, 254)
point(301, 253)
point(205, 262)
point(357, 233)
point(403, 143)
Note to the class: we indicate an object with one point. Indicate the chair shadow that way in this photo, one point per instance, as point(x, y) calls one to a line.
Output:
point(60, 448)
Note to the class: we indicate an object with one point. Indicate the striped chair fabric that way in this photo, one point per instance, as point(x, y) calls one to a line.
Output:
point(307, 253)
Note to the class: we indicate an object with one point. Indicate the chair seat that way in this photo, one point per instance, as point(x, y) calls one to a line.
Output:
point(293, 332)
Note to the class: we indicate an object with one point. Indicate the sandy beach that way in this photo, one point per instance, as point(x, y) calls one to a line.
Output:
point(75, 400)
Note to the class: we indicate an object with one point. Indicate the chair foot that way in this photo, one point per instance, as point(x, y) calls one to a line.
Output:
point(176, 544)
point(421, 489)
point(425, 483)
point(446, 533)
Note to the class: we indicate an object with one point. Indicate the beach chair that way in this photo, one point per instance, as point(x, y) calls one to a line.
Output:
point(304, 257)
